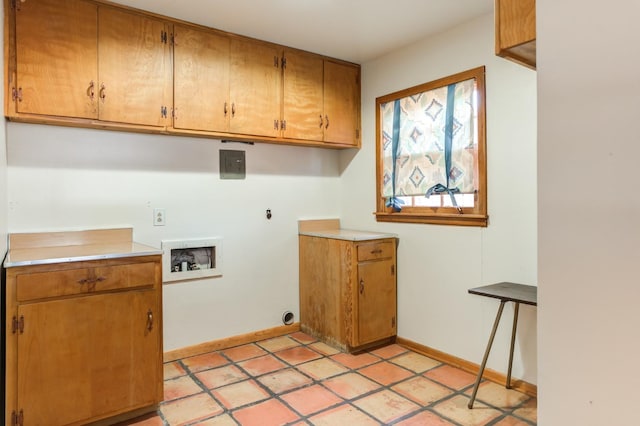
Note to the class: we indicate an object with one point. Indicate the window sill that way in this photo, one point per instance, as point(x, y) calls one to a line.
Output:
point(441, 219)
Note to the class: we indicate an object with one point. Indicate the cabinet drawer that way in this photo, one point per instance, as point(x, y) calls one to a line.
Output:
point(85, 280)
point(376, 250)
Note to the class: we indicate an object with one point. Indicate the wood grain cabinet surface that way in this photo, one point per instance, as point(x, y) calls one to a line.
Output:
point(83, 340)
point(73, 59)
point(348, 290)
point(515, 22)
point(95, 64)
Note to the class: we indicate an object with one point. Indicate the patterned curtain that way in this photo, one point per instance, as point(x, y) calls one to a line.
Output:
point(435, 142)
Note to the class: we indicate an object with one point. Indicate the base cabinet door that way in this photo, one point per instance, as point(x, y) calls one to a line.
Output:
point(376, 301)
point(87, 357)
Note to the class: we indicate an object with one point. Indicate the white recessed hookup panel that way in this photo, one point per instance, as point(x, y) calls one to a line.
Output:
point(191, 259)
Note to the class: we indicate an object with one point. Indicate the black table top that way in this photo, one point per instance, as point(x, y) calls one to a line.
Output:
point(511, 292)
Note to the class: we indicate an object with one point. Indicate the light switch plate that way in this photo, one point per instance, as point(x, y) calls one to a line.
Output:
point(232, 164)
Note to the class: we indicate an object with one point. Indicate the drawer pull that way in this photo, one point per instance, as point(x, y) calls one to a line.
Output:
point(376, 251)
point(149, 320)
point(91, 280)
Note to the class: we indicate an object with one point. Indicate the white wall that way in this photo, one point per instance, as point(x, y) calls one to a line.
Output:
point(62, 178)
point(438, 264)
point(589, 232)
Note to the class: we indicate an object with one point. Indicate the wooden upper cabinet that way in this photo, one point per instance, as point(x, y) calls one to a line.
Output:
point(201, 80)
point(134, 68)
point(341, 103)
point(303, 93)
point(516, 31)
point(255, 88)
point(321, 99)
point(56, 59)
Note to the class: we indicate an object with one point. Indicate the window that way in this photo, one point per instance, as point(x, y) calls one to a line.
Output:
point(431, 152)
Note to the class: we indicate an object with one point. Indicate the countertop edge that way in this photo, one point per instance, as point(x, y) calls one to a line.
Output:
point(10, 264)
point(348, 234)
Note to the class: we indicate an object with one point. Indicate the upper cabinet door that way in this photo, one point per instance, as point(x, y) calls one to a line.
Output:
point(134, 68)
point(201, 80)
point(56, 58)
point(341, 103)
point(255, 88)
point(303, 96)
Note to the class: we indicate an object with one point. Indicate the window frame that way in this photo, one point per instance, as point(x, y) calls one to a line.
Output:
point(469, 216)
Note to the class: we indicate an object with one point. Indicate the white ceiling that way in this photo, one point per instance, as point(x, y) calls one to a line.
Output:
point(352, 30)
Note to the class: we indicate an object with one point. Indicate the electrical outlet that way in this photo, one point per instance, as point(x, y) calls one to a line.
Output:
point(159, 217)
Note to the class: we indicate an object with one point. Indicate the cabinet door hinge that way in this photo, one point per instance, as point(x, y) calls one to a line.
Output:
point(17, 325)
point(174, 113)
point(284, 62)
point(16, 94)
point(17, 419)
point(393, 322)
point(16, 5)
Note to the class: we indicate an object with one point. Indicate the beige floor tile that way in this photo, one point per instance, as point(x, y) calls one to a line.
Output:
point(422, 390)
point(322, 368)
point(222, 420)
point(425, 418)
point(284, 380)
point(239, 394)
point(386, 406)
point(323, 348)
point(498, 396)
point(240, 353)
point(450, 376)
point(389, 351)
point(180, 387)
point(456, 409)
point(262, 365)
point(350, 385)
point(416, 362)
point(221, 376)
point(528, 410)
point(173, 370)
point(278, 343)
point(297, 355)
point(268, 413)
point(204, 362)
point(355, 361)
point(511, 421)
point(303, 337)
point(385, 373)
point(312, 399)
point(346, 415)
point(190, 409)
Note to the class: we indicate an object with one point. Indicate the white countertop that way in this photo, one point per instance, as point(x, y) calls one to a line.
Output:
point(348, 234)
point(76, 253)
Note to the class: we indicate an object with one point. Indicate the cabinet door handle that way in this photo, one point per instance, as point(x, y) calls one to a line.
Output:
point(226, 109)
point(321, 121)
point(326, 119)
point(361, 286)
point(233, 109)
point(91, 93)
point(149, 320)
point(103, 92)
point(83, 281)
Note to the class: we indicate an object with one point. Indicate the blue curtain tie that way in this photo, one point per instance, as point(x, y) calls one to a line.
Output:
point(395, 203)
point(439, 188)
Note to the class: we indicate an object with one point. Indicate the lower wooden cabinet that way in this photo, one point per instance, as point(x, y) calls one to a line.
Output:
point(348, 290)
point(83, 340)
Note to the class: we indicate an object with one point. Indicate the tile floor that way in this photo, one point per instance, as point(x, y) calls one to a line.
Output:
point(296, 380)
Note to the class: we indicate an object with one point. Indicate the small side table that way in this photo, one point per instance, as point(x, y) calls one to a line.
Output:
point(506, 292)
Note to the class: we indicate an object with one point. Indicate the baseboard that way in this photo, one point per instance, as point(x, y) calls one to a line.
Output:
point(229, 342)
point(469, 367)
